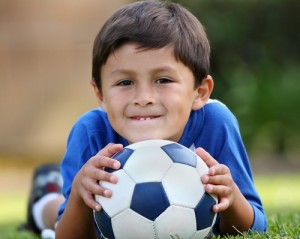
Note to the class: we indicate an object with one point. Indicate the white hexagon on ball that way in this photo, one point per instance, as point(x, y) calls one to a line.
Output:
point(122, 194)
point(148, 164)
point(131, 225)
point(201, 167)
point(183, 223)
point(184, 191)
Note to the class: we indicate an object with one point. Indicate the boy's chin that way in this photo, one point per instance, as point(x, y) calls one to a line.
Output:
point(139, 139)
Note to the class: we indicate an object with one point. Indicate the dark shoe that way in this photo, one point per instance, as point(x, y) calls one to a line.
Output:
point(46, 179)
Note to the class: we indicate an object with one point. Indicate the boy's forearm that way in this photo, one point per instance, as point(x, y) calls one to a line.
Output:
point(77, 221)
point(239, 217)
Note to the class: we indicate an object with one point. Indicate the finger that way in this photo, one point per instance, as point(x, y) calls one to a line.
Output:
point(219, 169)
point(103, 161)
point(91, 178)
point(110, 150)
point(219, 190)
point(94, 188)
point(217, 180)
point(221, 206)
point(101, 175)
point(94, 170)
point(206, 157)
point(90, 202)
point(102, 191)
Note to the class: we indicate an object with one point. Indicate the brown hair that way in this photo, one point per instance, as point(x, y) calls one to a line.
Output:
point(154, 24)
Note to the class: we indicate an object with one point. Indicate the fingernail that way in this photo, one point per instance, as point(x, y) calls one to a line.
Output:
point(205, 179)
point(97, 208)
point(113, 179)
point(107, 193)
point(209, 188)
point(216, 208)
point(116, 164)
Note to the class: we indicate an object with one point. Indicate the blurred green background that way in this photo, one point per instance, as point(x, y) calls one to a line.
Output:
point(45, 69)
point(256, 66)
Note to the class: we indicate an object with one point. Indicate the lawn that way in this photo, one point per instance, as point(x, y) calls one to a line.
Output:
point(280, 194)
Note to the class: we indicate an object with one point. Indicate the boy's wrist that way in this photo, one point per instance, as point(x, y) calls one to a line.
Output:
point(238, 216)
point(75, 195)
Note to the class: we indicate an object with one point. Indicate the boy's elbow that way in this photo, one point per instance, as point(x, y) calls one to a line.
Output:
point(260, 223)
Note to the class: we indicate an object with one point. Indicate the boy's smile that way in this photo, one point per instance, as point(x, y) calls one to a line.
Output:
point(148, 94)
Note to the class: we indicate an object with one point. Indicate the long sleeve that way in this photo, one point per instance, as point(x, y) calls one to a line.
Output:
point(219, 134)
point(90, 133)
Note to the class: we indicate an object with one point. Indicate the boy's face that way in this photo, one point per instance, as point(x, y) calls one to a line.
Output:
point(147, 94)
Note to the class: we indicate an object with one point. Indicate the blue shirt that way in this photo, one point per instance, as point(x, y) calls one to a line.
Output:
point(212, 127)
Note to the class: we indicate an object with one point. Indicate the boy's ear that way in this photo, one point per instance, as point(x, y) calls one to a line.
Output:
point(203, 92)
point(98, 94)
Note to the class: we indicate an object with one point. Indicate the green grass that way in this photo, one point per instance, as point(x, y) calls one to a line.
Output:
point(280, 195)
point(9, 231)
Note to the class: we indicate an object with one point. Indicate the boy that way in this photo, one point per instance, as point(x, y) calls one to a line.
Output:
point(151, 79)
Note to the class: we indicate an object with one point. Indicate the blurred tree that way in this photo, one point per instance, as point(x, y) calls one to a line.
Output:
point(255, 63)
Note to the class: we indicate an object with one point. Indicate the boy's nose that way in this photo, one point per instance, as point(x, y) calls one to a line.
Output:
point(144, 96)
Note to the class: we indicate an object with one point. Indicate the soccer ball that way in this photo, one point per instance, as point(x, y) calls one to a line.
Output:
point(159, 194)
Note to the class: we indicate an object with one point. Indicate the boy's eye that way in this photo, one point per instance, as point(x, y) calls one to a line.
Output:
point(163, 80)
point(125, 82)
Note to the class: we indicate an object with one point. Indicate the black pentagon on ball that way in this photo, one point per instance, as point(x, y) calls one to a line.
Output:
point(145, 204)
point(103, 219)
point(180, 154)
point(204, 213)
point(122, 156)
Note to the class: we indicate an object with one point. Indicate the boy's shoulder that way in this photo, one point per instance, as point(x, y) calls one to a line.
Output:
point(216, 111)
point(92, 114)
point(93, 119)
point(93, 130)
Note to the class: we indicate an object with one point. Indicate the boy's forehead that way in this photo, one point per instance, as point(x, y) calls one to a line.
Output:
point(137, 47)
point(138, 52)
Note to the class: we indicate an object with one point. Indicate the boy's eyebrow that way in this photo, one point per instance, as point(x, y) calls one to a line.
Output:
point(159, 69)
point(121, 71)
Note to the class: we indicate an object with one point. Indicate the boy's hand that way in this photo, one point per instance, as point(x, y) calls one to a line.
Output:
point(86, 182)
point(218, 181)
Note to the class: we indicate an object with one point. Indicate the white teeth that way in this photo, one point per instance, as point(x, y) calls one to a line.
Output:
point(145, 118)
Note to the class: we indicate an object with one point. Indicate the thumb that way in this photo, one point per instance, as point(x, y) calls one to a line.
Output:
point(206, 157)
